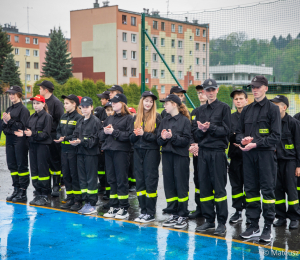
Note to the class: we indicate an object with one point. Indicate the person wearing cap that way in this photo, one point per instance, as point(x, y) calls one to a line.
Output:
point(85, 137)
point(56, 110)
point(146, 155)
point(38, 133)
point(194, 150)
point(288, 168)
point(64, 133)
point(297, 116)
point(178, 91)
point(174, 135)
point(257, 134)
point(108, 109)
point(211, 128)
point(14, 120)
point(235, 172)
point(104, 97)
point(116, 145)
point(114, 90)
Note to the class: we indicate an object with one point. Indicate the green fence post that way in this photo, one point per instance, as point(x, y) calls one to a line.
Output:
point(143, 49)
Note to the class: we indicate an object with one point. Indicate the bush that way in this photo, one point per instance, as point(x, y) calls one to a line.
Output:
point(224, 95)
point(192, 93)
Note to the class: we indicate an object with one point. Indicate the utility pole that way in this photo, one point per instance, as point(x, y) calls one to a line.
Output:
point(28, 16)
point(25, 82)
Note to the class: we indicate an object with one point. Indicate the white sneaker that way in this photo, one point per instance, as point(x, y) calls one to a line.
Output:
point(111, 213)
point(139, 218)
point(148, 218)
point(122, 214)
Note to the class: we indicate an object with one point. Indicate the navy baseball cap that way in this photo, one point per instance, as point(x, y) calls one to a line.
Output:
point(115, 88)
point(238, 91)
point(14, 90)
point(47, 84)
point(209, 83)
point(149, 94)
point(177, 89)
point(105, 95)
point(199, 87)
point(108, 104)
point(119, 98)
point(173, 98)
point(281, 98)
point(258, 81)
point(86, 101)
point(72, 97)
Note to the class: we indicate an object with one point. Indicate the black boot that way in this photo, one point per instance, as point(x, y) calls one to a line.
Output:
point(56, 186)
point(21, 196)
point(68, 205)
point(196, 214)
point(14, 194)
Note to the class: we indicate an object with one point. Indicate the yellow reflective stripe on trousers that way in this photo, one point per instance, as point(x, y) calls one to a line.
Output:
point(23, 173)
point(124, 197)
point(77, 192)
point(69, 192)
point(14, 173)
point(220, 199)
point(141, 193)
point(197, 191)
point(298, 188)
point(183, 199)
point(113, 196)
point(107, 188)
point(253, 199)
point(151, 195)
point(293, 202)
point(34, 177)
point(238, 195)
point(65, 142)
point(207, 198)
point(289, 146)
point(264, 131)
point(44, 178)
point(268, 201)
point(132, 180)
point(101, 172)
point(84, 190)
point(55, 173)
point(92, 191)
point(280, 201)
point(172, 199)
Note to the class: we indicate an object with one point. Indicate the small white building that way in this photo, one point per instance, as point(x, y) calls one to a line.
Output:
point(238, 74)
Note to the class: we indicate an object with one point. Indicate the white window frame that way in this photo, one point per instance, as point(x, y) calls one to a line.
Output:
point(155, 25)
point(37, 65)
point(154, 73)
point(18, 64)
point(204, 33)
point(197, 46)
point(197, 75)
point(28, 77)
point(36, 77)
point(191, 52)
point(173, 27)
point(180, 29)
point(16, 51)
point(35, 41)
point(203, 76)
point(124, 37)
point(162, 89)
point(154, 39)
point(191, 37)
point(125, 75)
point(16, 38)
point(180, 44)
point(132, 71)
point(35, 53)
point(197, 61)
point(162, 74)
point(27, 52)
point(147, 48)
point(203, 62)
point(27, 40)
point(173, 60)
point(180, 74)
point(146, 80)
point(8, 37)
point(133, 38)
point(197, 32)
point(162, 42)
point(146, 64)
point(133, 55)
point(133, 21)
point(180, 59)
point(172, 43)
point(204, 47)
point(124, 56)
point(154, 57)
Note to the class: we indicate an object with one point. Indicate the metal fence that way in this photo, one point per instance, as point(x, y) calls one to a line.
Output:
point(4, 102)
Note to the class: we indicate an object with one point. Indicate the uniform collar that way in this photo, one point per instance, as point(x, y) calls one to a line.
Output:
point(285, 118)
point(72, 113)
point(262, 102)
point(117, 115)
point(175, 117)
point(17, 104)
point(42, 112)
point(213, 104)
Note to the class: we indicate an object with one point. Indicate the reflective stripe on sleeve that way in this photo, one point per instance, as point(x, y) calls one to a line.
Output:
point(124, 197)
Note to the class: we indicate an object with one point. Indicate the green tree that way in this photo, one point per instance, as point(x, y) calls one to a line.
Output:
point(224, 95)
point(10, 73)
point(155, 92)
point(57, 61)
point(192, 93)
point(57, 87)
point(5, 48)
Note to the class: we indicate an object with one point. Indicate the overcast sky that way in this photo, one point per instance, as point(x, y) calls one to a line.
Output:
point(44, 15)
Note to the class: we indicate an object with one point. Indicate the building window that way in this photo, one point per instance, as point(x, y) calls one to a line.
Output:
point(27, 40)
point(133, 21)
point(124, 37)
point(147, 48)
point(133, 55)
point(124, 54)
point(16, 51)
point(27, 52)
point(154, 73)
point(146, 64)
point(163, 55)
point(154, 86)
point(191, 38)
point(36, 77)
point(8, 37)
point(204, 47)
point(173, 27)
point(197, 61)
point(28, 77)
point(179, 44)
point(146, 80)
point(133, 72)
point(162, 74)
point(180, 59)
point(28, 65)
point(191, 53)
point(124, 19)
point(204, 33)
point(36, 65)
point(133, 38)
point(124, 71)
point(173, 43)
point(179, 28)
point(35, 53)
point(203, 75)
point(197, 32)
point(155, 25)
point(197, 75)
point(35, 41)
point(180, 74)
point(204, 63)
point(190, 68)
point(197, 46)
point(173, 58)
point(28, 89)
point(155, 40)
point(18, 64)
point(162, 89)
point(162, 42)
point(154, 57)
point(16, 38)
point(162, 26)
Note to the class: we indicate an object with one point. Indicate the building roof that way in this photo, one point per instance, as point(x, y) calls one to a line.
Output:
point(241, 68)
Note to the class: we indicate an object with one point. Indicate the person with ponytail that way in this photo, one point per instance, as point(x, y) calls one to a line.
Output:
point(38, 133)
point(174, 135)
point(116, 146)
point(146, 155)
point(14, 120)
point(64, 132)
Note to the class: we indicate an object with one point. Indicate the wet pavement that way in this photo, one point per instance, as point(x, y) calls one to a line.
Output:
point(286, 239)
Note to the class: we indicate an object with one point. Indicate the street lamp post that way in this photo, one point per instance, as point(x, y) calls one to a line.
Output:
point(25, 81)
